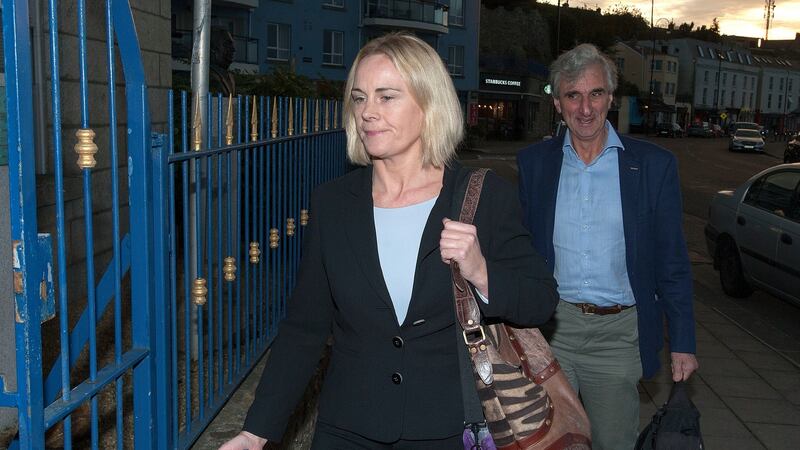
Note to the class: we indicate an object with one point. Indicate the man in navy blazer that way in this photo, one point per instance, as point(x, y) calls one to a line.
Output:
point(605, 212)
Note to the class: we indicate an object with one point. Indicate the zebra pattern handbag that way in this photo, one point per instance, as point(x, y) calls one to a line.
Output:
point(527, 400)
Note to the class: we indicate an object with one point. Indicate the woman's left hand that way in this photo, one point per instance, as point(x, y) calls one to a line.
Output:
point(459, 243)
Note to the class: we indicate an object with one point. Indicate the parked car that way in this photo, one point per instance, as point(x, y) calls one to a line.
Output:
point(669, 129)
point(753, 234)
point(699, 129)
point(743, 126)
point(792, 152)
point(745, 139)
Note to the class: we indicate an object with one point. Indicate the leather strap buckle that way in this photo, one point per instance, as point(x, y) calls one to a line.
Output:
point(476, 341)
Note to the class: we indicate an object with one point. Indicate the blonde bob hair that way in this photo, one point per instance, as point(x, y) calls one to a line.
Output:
point(430, 85)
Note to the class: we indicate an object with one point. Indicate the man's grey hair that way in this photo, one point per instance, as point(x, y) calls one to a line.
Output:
point(571, 65)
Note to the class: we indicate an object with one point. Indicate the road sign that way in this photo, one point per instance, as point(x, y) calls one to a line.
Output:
point(723, 116)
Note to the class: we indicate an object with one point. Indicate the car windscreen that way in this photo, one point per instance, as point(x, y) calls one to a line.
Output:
point(746, 126)
point(747, 133)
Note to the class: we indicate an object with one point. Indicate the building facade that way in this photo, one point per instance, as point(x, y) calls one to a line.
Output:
point(719, 80)
point(320, 38)
point(655, 73)
point(779, 92)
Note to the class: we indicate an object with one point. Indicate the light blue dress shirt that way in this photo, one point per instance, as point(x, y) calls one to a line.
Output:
point(589, 239)
point(399, 232)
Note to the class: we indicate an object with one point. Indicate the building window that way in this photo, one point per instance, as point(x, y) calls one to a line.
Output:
point(752, 83)
point(722, 99)
point(705, 94)
point(780, 101)
point(725, 78)
point(771, 84)
point(701, 52)
point(751, 100)
point(278, 41)
point(455, 60)
point(333, 48)
point(705, 75)
point(743, 99)
point(733, 97)
point(712, 53)
point(780, 84)
point(456, 13)
point(657, 64)
point(333, 3)
point(790, 85)
point(620, 63)
point(769, 101)
point(733, 82)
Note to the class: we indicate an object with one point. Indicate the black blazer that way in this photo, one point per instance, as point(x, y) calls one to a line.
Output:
point(388, 381)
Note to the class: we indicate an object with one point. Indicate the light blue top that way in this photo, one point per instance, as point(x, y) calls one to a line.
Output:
point(399, 232)
point(589, 239)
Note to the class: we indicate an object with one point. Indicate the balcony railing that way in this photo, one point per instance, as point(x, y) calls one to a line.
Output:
point(421, 11)
point(246, 47)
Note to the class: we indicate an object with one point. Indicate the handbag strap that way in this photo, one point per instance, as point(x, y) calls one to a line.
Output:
point(473, 411)
point(467, 311)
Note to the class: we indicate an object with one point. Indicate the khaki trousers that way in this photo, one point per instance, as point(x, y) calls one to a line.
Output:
point(600, 357)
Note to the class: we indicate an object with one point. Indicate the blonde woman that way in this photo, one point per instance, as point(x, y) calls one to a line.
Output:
point(375, 269)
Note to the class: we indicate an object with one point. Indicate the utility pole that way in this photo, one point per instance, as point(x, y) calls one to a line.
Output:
point(652, 65)
point(201, 49)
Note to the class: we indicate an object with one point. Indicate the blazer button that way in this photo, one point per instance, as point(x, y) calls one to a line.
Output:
point(397, 378)
point(397, 341)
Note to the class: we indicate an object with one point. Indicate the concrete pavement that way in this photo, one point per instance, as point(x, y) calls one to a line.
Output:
point(748, 393)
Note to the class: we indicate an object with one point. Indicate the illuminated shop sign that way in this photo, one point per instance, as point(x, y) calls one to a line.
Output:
point(501, 83)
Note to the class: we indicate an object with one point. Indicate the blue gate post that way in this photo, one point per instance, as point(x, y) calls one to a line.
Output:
point(27, 260)
point(161, 350)
point(147, 432)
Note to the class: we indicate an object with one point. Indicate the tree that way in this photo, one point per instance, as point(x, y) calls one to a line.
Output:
point(531, 36)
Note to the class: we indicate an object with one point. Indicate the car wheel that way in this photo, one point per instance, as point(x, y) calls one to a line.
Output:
point(730, 271)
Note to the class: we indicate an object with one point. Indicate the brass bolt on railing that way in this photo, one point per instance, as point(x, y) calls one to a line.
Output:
point(303, 217)
point(305, 115)
point(197, 127)
point(290, 117)
point(335, 114)
point(229, 268)
point(327, 116)
point(274, 238)
point(274, 117)
point(316, 116)
point(85, 148)
point(290, 226)
point(254, 122)
point(254, 253)
point(229, 122)
point(199, 291)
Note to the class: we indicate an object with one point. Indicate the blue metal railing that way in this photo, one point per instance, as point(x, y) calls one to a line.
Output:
point(250, 201)
point(185, 345)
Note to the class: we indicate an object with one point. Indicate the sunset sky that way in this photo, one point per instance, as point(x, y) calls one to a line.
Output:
point(737, 17)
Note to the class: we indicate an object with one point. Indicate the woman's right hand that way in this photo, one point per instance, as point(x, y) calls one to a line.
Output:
point(244, 441)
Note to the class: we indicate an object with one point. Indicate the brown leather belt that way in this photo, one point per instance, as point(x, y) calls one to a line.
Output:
point(592, 309)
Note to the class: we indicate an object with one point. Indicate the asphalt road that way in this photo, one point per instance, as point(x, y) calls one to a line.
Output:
point(706, 166)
